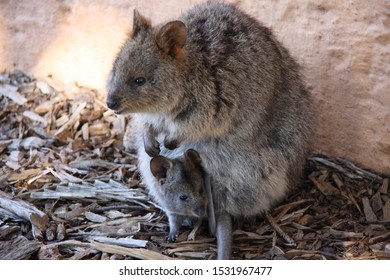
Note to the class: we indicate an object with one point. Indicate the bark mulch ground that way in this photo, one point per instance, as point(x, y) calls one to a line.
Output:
point(69, 190)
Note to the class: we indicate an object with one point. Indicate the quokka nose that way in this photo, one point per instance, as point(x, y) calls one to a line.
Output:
point(112, 103)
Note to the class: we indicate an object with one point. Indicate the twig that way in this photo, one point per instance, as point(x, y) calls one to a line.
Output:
point(191, 235)
point(279, 230)
point(362, 172)
point(335, 166)
point(142, 254)
point(117, 207)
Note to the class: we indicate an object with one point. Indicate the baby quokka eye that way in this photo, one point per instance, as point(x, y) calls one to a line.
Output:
point(139, 81)
point(183, 197)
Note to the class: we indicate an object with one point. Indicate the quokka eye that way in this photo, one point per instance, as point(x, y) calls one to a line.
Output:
point(139, 81)
point(183, 197)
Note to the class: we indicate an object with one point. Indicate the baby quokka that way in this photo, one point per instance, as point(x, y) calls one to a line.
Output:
point(181, 189)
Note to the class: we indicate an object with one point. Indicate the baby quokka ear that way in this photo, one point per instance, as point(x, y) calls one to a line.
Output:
point(192, 158)
point(159, 167)
point(171, 38)
point(139, 23)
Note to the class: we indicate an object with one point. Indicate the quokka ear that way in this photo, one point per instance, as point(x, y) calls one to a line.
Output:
point(171, 38)
point(159, 167)
point(193, 159)
point(139, 23)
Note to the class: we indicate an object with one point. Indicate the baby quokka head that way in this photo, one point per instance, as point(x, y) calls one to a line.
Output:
point(181, 184)
point(145, 76)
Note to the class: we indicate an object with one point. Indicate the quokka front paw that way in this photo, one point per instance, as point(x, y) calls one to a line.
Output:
point(170, 144)
point(151, 145)
point(152, 149)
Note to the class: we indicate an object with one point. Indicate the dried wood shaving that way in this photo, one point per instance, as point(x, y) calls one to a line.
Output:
point(142, 254)
point(368, 212)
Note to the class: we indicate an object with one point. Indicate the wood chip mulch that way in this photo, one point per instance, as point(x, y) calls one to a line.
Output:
point(69, 190)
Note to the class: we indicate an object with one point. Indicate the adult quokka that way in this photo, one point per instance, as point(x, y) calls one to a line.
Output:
point(216, 81)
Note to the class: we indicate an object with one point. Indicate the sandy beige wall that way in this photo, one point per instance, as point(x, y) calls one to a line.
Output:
point(343, 47)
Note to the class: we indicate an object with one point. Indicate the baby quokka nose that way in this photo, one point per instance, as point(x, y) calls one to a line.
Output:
point(200, 211)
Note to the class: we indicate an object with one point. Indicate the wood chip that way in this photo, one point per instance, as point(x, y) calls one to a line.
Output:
point(94, 217)
point(35, 117)
point(23, 175)
point(38, 219)
point(99, 129)
point(368, 212)
point(62, 120)
point(125, 242)
point(12, 93)
point(13, 165)
point(32, 143)
point(85, 131)
point(325, 187)
point(90, 164)
point(387, 248)
point(50, 232)
point(47, 105)
point(188, 248)
point(142, 254)
point(376, 202)
point(386, 211)
point(192, 234)
point(72, 120)
point(376, 239)
point(193, 255)
point(44, 87)
point(61, 232)
point(279, 230)
point(16, 156)
point(361, 172)
point(335, 166)
point(385, 186)
point(351, 198)
point(345, 234)
point(337, 180)
point(19, 248)
point(9, 232)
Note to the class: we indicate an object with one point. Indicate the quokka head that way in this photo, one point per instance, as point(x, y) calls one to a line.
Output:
point(145, 76)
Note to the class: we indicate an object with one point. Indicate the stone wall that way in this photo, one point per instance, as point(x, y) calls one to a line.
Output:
point(343, 47)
